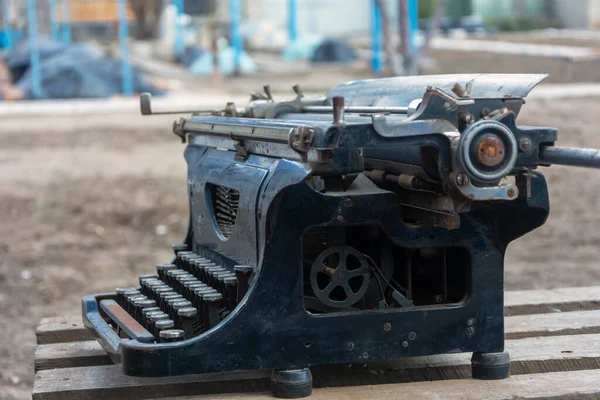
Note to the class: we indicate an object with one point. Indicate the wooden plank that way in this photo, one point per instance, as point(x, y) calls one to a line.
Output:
point(554, 324)
point(73, 354)
point(544, 301)
point(531, 355)
point(572, 385)
point(108, 382)
point(82, 353)
point(61, 329)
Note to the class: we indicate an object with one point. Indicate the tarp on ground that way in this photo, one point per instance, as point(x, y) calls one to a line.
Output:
point(71, 71)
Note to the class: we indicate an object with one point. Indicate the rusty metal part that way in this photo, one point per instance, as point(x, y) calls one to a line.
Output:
point(490, 150)
point(301, 138)
point(338, 110)
point(126, 322)
point(178, 128)
point(461, 91)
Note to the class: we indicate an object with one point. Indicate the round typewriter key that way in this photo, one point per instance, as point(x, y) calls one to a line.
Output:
point(156, 317)
point(174, 272)
point(129, 293)
point(179, 247)
point(230, 280)
point(171, 335)
point(164, 324)
point(185, 278)
point(162, 269)
point(188, 317)
point(139, 305)
point(155, 312)
point(133, 299)
point(222, 275)
point(158, 288)
point(205, 291)
point(187, 312)
point(122, 294)
point(147, 310)
point(164, 294)
point(173, 300)
point(147, 277)
point(193, 285)
point(125, 289)
point(145, 303)
point(181, 304)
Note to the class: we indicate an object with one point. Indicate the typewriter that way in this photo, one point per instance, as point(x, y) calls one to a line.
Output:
point(367, 224)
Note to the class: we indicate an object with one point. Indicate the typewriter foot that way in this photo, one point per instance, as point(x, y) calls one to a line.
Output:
point(490, 366)
point(291, 383)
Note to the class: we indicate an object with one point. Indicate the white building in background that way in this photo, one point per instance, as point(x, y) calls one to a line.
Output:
point(578, 13)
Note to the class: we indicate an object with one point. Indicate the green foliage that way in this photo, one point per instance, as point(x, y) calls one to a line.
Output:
point(515, 23)
point(426, 8)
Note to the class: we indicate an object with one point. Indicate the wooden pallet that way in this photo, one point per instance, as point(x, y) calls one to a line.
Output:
point(553, 337)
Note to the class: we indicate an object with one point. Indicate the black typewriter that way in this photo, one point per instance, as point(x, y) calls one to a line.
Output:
point(367, 224)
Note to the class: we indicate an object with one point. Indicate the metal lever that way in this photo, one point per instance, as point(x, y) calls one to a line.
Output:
point(146, 108)
point(588, 158)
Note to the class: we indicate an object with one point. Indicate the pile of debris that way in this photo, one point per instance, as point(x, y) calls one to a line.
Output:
point(67, 72)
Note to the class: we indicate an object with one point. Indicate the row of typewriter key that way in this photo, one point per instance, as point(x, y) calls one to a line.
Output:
point(185, 298)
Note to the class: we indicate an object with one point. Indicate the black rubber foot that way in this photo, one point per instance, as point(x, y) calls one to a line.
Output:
point(291, 383)
point(490, 366)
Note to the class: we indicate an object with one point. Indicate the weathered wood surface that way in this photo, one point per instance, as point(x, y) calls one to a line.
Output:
point(74, 354)
point(554, 354)
point(552, 300)
point(531, 355)
point(61, 329)
point(553, 324)
point(584, 385)
point(80, 353)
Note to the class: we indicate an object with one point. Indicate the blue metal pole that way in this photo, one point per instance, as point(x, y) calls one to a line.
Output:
point(375, 38)
point(413, 25)
point(7, 24)
point(234, 32)
point(124, 42)
point(292, 29)
point(34, 50)
point(54, 27)
point(178, 45)
point(65, 17)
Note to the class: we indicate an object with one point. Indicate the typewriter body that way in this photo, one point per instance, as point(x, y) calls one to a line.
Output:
point(364, 225)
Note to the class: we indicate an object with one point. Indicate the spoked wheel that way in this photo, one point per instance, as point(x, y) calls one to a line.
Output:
point(340, 276)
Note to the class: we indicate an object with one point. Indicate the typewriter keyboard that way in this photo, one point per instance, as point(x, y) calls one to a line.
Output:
point(181, 300)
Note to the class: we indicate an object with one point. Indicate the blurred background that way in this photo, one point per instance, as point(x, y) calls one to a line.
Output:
point(93, 195)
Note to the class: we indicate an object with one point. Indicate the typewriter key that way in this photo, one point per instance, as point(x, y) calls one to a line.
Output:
point(179, 247)
point(162, 269)
point(171, 335)
point(188, 317)
point(163, 324)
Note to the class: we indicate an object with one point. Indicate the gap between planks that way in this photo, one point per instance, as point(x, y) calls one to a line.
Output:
point(529, 356)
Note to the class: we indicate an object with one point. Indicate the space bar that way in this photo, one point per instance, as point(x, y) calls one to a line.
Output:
point(126, 322)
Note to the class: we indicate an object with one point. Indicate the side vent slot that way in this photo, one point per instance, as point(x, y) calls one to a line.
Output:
point(225, 202)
